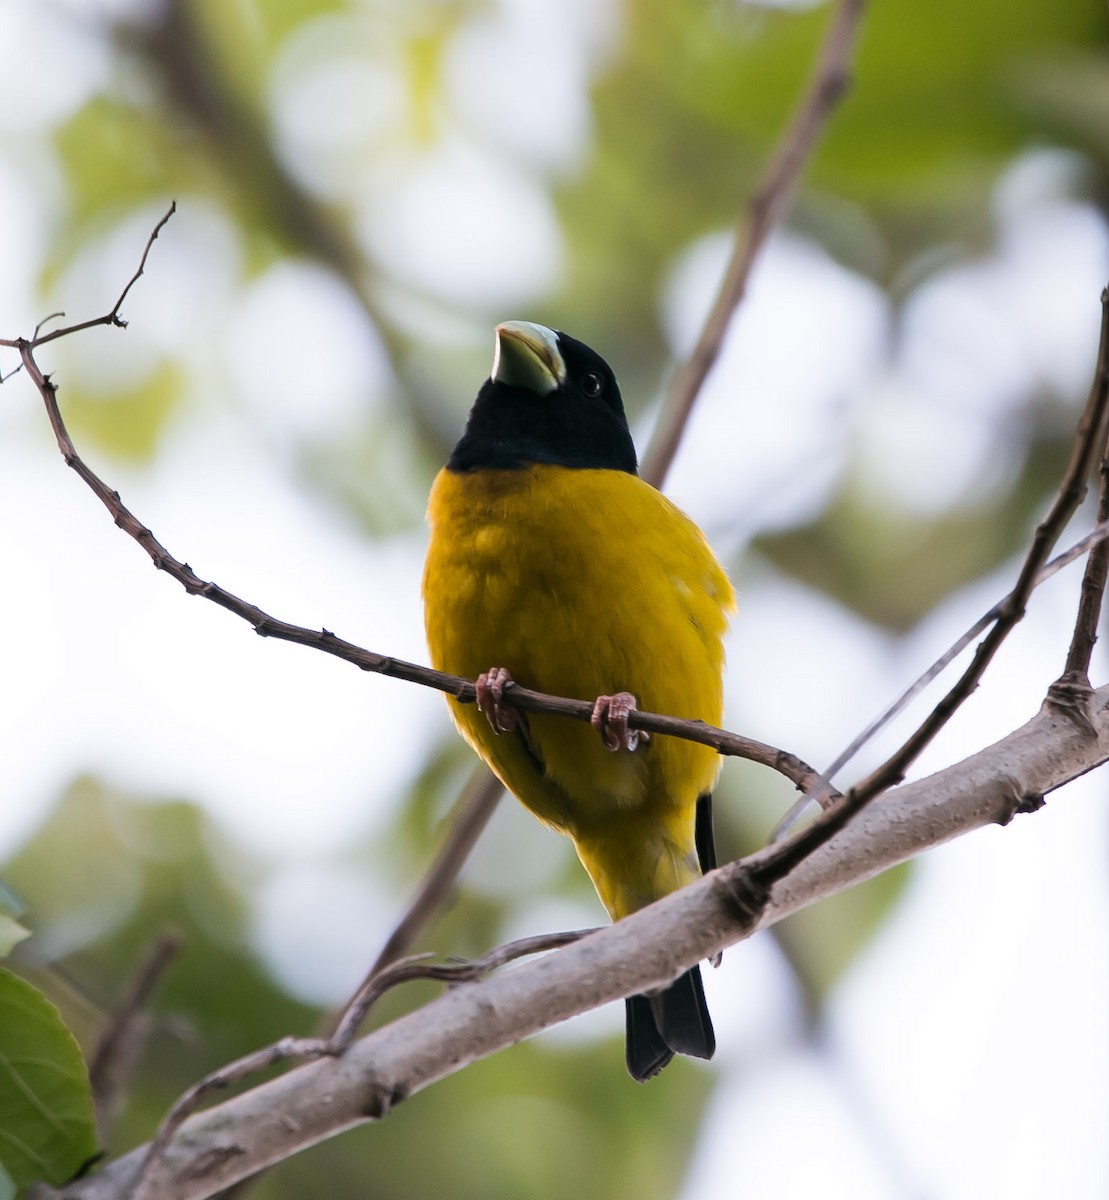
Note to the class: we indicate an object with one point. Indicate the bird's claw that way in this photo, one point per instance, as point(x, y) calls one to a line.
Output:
point(610, 720)
point(490, 688)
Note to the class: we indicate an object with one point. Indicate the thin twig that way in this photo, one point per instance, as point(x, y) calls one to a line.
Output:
point(1098, 536)
point(780, 859)
point(475, 806)
point(827, 86)
point(1077, 669)
point(293, 1049)
point(109, 318)
point(118, 1046)
point(406, 970)
point(798, 772)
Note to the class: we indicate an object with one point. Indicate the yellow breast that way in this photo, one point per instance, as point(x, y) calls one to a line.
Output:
point(580, 583)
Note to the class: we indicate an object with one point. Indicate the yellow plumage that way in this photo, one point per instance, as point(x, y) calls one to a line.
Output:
point(583, 583)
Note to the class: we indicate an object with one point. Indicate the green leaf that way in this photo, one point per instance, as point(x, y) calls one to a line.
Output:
point(7, 1185)
point(11, 933)
point(47, 1130)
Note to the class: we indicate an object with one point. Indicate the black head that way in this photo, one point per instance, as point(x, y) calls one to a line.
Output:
point(549, 399)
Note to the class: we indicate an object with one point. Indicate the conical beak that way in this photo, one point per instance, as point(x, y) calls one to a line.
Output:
point(527, 356)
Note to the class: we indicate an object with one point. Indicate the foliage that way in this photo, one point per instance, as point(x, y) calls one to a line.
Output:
point(45, 1107)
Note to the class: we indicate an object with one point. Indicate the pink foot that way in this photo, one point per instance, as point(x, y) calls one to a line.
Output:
point(610, 720)
point(490, 687)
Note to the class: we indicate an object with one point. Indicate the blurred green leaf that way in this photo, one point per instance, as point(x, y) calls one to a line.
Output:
point(116, 157)
point(126, 423)
point(47, 1131)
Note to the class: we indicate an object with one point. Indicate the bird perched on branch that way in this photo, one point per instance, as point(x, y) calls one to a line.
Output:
point(552, 564)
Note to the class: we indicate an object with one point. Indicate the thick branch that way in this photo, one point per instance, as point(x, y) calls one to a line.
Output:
point(215, 1148)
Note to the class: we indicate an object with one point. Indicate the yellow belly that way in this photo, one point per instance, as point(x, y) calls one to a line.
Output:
point(583, 583)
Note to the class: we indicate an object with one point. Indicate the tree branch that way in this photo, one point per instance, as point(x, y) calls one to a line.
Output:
point(646, 950)
point(802, 775)
point(828, 85)
point(476, 805)
point(1097, 536)
point(1077, 669)
point(306, 1049)
point(1067, 694)
point(119, 1044)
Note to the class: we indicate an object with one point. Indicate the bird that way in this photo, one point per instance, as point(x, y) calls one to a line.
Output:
point(551, 564)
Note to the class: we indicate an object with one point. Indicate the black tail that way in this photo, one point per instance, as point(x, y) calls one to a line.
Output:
point(675, 1021)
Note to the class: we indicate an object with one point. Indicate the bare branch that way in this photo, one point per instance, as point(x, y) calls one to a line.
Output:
point(1077, 669)
point(1098, 536)
point(476, 805)
point(828, 85)
point(291, 1049)
point(109, 318)
point(646, 950)
point(784, 856)
point(118, 1047)
point(375, 986)
point(802, 775)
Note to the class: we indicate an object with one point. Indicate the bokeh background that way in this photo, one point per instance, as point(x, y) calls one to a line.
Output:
point(364, 189)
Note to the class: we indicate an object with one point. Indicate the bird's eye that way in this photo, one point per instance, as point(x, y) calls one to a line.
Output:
point(592, 383)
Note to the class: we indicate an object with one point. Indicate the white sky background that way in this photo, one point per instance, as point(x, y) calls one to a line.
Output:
point(966, 1053)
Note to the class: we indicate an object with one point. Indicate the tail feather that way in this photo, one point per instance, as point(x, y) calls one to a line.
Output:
point(644, 1050)
point(675, 1021)
point(703, 836)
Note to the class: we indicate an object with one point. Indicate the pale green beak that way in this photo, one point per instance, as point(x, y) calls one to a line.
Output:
point(527, 356)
